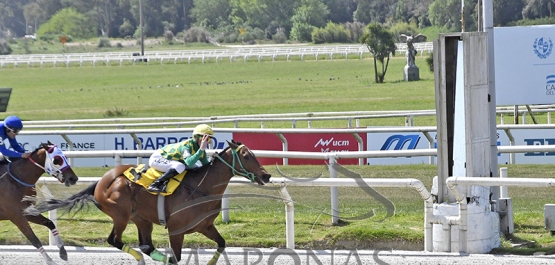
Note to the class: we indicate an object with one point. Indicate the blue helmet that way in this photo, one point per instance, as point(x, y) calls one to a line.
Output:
point(13, 123)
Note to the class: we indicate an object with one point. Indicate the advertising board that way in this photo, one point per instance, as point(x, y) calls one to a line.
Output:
point(524, 65)
point(333, 142)
point(314, 142)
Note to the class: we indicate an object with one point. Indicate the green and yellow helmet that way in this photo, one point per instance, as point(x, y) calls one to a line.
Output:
point(203, 129)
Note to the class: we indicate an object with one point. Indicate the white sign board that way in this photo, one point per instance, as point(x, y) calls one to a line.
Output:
point(524, 65)
point(412, 141)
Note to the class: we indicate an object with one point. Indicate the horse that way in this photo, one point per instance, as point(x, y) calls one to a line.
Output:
point(192, 207)
point(17, 181)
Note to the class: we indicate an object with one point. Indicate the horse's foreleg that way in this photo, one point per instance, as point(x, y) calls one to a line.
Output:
point(176, 242)
point(212, 233)
point(25, 228)
point(41, 220)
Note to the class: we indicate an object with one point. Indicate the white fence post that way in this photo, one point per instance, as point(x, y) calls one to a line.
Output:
point(504, 190)
point(289, 217)
point(225, 207)
point(334, 194)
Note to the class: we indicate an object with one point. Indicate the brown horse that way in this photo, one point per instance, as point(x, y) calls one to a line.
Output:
point(192, 207)
point(17, 180)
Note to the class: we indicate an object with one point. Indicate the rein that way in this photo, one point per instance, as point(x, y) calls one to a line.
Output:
point(18, 180)
point(55, 174)
point(235, 156)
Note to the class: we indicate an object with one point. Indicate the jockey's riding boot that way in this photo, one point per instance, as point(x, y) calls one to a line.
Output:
point(159, 184)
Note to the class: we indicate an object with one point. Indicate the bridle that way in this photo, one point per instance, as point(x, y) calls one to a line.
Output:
point(49, 167)
point(235, 157)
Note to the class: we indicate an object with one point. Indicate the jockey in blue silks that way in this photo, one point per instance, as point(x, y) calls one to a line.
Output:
point(10, 127)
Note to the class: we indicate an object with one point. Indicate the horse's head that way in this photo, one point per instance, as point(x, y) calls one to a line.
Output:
point(54, 162)
point(247, 165)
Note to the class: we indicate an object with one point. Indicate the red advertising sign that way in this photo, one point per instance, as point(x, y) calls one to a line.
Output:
point(304, 142)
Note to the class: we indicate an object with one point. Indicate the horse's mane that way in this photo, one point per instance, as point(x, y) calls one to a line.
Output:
point(41, 146)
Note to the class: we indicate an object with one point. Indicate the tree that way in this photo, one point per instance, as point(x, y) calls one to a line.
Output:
point(380, 11)
point(538, 9)
point(11, 17)
point(33, 16)
point(447, 13)
point(264, 14)
point(310, 15)
point(341, 11)
point(211, 13)
point(505, 11)
point(69, 22)
point(381, 43)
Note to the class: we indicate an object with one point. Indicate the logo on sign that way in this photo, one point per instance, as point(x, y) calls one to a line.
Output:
point(543, 47)
point(400, 141)
point(550, 85)
point(540, 141)
point(330, 142)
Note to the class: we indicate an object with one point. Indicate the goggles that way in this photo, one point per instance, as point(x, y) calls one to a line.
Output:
point(16, 131)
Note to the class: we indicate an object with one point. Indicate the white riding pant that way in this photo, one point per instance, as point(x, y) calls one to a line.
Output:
point(162, 164)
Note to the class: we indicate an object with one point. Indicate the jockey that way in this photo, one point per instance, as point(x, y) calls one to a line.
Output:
point(173, 159)
point(10, 128)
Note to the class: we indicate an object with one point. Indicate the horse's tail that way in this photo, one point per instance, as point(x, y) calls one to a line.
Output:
point(77, 201)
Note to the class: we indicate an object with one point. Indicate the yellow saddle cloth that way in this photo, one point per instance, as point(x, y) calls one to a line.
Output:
point(144, 177)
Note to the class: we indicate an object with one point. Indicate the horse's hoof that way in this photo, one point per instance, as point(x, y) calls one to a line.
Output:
point(51, 262)
point(141, 262)
point(63, 253)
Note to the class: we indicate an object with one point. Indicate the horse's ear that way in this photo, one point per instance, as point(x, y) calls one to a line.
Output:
point(231, 144)
point(50, 143)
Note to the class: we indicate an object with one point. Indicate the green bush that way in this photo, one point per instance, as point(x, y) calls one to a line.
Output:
point(403, 28)
point(533, 22)
point(320, 36)
point(68, 21)
point(196, 34)
point(302, 32)
point(168, 35)
point(115, 112)
point(430, 61)
point(332, 33)
point(355, 29)
point(280, 36)
point(104, 42)
point(126, 29)
point(5, 47)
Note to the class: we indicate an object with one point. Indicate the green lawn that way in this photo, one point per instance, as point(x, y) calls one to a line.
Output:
point(216, 89)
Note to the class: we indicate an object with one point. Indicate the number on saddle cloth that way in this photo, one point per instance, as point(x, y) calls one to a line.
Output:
point(138, 172)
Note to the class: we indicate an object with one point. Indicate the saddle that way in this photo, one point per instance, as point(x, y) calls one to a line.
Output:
point(144, 176)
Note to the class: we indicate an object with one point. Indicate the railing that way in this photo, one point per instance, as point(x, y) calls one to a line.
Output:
point(352, 118)
point(331, 182)
point(173, 56)
point(425, 130)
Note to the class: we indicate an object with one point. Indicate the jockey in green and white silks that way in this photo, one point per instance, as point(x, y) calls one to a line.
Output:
point(173, 159)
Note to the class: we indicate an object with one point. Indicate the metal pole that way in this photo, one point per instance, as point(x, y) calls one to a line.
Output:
point(487, 7)
point(141, 25)
point(462, 15)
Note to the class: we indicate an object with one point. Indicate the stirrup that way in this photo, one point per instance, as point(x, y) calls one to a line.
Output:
point(157, 187)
